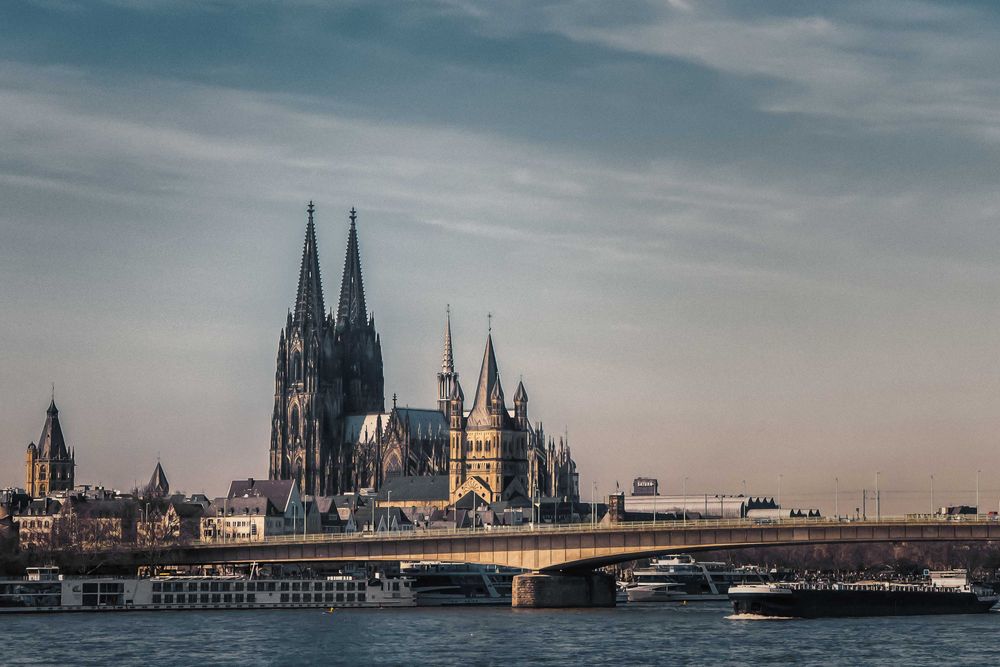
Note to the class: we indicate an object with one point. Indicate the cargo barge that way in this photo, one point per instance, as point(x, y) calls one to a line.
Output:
point(947, 592)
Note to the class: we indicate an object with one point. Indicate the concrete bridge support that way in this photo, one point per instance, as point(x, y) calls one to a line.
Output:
point(548, 590)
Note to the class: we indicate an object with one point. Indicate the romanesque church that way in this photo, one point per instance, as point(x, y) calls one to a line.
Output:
point(331, 433)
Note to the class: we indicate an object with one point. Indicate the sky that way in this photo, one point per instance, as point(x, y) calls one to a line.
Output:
point(723, 241)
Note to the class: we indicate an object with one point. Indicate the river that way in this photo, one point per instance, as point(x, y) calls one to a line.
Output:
point(696, 634)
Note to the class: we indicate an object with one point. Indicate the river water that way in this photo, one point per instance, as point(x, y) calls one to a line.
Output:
point(696, 634)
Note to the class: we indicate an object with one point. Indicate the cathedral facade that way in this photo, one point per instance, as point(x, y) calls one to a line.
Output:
point(327, 368)
point(330, 431)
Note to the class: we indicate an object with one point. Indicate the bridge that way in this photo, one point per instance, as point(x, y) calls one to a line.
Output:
point(564, 557)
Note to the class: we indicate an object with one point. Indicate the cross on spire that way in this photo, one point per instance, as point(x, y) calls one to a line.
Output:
point(354, 215)
point(310, 209)
point(489, 322)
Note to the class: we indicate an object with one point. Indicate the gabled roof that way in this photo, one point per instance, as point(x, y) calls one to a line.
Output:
point(51, 444)
point(424, 421)
point(277, 491)
point(244, 506)
point(363, 428)
point(416, 489)
point(352, 311)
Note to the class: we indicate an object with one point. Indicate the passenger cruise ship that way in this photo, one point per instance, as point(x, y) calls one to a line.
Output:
point(680, 578)
point(45, 590)
point(440, 584)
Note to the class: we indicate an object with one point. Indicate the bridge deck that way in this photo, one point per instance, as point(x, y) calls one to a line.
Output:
point(570, 547)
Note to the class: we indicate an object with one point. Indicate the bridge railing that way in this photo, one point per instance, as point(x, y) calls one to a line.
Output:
point(586, 528)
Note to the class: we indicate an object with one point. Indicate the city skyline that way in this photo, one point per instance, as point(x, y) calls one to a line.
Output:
point(708, 260)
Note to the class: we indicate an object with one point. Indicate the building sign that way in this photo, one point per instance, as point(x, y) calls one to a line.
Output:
point(645, 486)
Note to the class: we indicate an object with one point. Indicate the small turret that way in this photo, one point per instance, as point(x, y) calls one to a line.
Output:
point(521, 406)
point(457, 408)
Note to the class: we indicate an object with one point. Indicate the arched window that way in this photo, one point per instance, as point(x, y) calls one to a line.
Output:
point(295, 420)
point(296, 367)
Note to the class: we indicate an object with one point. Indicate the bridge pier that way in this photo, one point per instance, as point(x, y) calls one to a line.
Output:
point(544, 590)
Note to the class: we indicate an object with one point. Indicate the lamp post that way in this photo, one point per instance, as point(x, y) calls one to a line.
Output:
point(593, 505)
point(878, 499)
point(836, 497)
point(685, 509)
point(977, 492)
point(388, 500)
point(779, 490)
point(932, 494)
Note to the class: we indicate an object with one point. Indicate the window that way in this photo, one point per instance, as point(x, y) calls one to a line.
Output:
point(192, 587)
point(157, 587)
point(284, 597)
point(296, 597)
point(156, 599)
point(350, 597)
point(361, 597)
point(307, 597)
point(239, 598)
point(216, 598)
point(251, 586)
point(204, 598)
point(168, 599)
point(181, 599)
point(228, 597)
point(251, 597)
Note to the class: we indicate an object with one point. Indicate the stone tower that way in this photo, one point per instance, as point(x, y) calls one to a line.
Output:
point(308, 403)
point(489, 448)
point(359, 344)
point(49, 466)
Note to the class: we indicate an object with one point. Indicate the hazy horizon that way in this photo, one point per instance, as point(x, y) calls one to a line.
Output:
point(719, 241)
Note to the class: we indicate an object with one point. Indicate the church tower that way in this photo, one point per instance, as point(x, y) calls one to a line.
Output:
point(359, 344)
point(305, 445)
point(447, 378)
point(489, 448)
point(49, 465)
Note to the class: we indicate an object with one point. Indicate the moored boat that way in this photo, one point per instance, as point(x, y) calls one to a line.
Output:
point(681, 578)
point(45, 590)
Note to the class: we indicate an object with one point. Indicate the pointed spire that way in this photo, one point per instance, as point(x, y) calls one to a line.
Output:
point(158, 484)
point(351, 309)
point(479, 416)
point(52, 444)
point(448, 358)
point(520, 396)
point(457, 393)
point(309, 306)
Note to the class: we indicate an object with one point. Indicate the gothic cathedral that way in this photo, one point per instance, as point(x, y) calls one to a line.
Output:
point(327, 368)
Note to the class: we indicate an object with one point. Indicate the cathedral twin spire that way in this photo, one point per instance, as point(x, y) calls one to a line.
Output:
point(351, 310)
point(309, 303)
point(309, 308)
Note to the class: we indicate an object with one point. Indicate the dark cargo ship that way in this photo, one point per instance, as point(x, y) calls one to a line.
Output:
point(945, 593)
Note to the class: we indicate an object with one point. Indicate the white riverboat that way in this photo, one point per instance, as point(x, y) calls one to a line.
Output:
point(45, 590)
point(680, 578)
point(442, 584)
